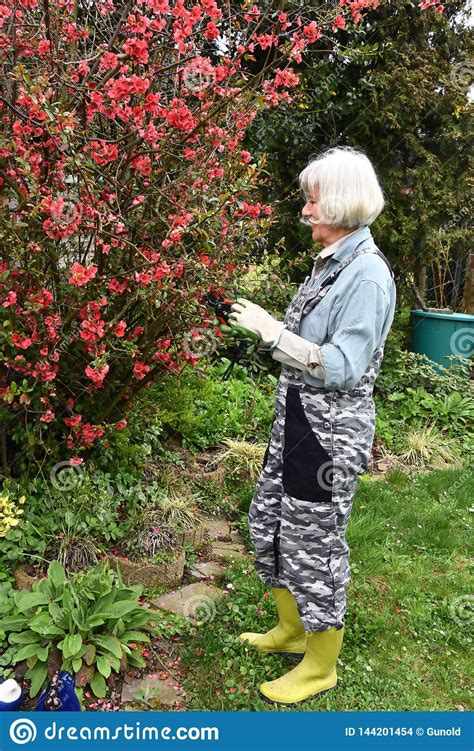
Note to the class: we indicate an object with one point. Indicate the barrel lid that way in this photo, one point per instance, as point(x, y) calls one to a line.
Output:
point(447, 316)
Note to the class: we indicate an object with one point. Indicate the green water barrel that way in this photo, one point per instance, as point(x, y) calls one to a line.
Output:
point(438, 335)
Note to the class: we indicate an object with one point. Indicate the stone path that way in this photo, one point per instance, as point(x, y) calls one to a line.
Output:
point(197, 602)
point(194, 601)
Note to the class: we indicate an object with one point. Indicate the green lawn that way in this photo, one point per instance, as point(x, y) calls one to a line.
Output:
point(408, 635)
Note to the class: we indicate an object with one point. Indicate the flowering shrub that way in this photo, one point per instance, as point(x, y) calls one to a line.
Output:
point(126, 193)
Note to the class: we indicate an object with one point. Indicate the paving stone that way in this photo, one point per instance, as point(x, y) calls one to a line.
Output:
point(205, 569)
point(228, 550)
point(218, 527)
point(149, 690)
point(195, 601)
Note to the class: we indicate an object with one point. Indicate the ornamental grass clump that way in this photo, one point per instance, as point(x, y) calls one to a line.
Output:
point(243, 457)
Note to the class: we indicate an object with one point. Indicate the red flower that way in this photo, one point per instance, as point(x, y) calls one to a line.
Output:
point(44, 47)
point(102, 152)
point(80, 275)
point(75, 461)
point(212, 32)
point(21, 342)
point(140, 370)
point(158, 6)
point(120, 328)
point(4, 14)
point(97, 375)
point(48, 416)
point(137, 48)
point(10, 299)
point(72, 422)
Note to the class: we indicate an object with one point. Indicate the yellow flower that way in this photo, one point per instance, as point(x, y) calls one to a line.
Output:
point(9, 513)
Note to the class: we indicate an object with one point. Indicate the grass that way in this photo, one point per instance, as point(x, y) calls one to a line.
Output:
point(407, 638)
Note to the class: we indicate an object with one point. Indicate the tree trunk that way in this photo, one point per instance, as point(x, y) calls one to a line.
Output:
point(468, 295)
point(420, 281)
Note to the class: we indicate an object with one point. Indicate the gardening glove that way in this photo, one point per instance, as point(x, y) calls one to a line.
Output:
point(247, 315)
point(229, 330)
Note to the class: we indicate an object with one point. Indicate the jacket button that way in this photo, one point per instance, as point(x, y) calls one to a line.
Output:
point(326, 425)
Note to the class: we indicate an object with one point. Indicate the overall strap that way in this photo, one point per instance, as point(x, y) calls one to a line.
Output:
point(312, 298)
point(332, 277)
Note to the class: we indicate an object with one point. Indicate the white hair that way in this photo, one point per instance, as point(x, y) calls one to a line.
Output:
point(350, 194)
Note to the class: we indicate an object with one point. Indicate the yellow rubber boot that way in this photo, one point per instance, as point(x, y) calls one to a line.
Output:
point(315, 674)
point(288, 636)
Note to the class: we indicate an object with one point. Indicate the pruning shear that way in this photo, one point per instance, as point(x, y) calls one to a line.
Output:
point(222, 310)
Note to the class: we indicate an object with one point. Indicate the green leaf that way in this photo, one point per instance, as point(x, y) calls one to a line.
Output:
point(42, 624)
point(56, 576)
point(98, 685)
point(38, 675)
point(110, 643)
point(103, 666)
point(30, 650)
point(58, 614)
point(119, 609)
point(115, 664)
point(89, 654)
point(43, 653)
point(26, 637)
point(136, 661)
point(95, 620)
point(71, 645)
point(25, 600)
point(76, 664)
point(134, 636)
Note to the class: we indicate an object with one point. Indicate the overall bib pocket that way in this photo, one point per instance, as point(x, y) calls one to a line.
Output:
point(307, 464)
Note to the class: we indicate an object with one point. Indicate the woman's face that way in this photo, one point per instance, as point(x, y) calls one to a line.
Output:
point(311, 209)
point(325, 234)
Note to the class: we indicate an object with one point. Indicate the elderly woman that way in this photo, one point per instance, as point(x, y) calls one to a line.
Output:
point(330, 345)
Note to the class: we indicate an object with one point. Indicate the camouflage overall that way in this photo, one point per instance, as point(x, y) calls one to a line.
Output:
point(320, 442)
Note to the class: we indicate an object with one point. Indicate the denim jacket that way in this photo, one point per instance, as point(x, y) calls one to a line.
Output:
point(354, 317)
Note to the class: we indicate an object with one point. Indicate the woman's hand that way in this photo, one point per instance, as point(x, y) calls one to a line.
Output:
point(247, 315)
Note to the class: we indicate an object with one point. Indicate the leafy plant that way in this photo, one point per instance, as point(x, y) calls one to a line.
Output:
point(90, 618)
point(204, 408)
point(411, 390)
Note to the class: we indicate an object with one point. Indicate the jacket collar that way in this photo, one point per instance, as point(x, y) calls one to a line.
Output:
point(349, 244)
point(329, 250)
